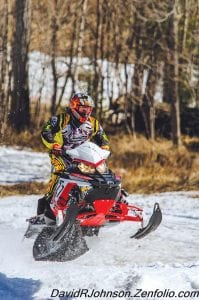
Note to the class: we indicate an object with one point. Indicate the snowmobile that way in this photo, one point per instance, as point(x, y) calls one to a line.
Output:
point(87, 196)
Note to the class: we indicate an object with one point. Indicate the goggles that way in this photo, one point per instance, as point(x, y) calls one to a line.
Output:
point(83, 109)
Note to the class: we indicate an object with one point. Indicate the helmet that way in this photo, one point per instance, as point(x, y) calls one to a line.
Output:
point(81, 106)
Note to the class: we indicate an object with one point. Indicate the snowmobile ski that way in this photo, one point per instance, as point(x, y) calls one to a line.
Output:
point(35, 226)
point(33, 230)
point(152, 225)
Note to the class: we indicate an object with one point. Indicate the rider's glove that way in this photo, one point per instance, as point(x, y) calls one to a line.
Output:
point(57, 150)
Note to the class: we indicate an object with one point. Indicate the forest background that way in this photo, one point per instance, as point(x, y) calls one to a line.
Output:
point(138, 59)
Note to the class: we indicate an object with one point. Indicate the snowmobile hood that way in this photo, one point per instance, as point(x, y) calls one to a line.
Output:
point(89, 152)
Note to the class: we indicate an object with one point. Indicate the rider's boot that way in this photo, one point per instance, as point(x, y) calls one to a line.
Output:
point(37, 220)
point(123, 196)
point(41, 207)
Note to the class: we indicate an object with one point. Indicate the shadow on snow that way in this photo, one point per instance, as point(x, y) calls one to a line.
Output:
point(18, 288)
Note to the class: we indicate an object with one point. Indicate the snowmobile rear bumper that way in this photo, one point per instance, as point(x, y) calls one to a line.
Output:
point(152, 225)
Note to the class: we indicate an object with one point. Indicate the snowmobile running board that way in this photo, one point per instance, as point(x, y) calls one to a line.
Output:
point(152, 225)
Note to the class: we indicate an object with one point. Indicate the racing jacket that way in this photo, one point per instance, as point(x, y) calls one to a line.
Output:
point(66, 131)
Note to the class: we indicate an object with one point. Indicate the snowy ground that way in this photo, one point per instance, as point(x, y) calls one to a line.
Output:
point(166, 260)
point(23, 166)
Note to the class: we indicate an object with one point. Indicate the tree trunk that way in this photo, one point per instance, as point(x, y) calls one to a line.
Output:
point(137, 79)
point(185, 24)
point(20, 104)
point(80, 37)
point(3, 66)
point(96, 53)
point(171, 73)
point(53, 48)
point(149, 95)
point(175, 104)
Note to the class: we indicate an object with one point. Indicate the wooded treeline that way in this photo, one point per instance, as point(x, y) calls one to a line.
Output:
point(160, 39)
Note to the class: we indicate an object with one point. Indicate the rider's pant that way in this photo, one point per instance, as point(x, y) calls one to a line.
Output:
point(58, 165)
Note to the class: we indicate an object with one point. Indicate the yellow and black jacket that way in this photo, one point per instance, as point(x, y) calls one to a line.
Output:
point(65, 130)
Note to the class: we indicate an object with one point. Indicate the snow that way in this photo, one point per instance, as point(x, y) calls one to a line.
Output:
point(114, 78)
point(23, 166)
point(166, 260)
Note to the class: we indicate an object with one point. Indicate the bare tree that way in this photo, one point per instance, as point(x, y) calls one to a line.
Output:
point(5, 68)
point(20, 104)
point(80, 36)
point(171, 72)
point(3, 54)
point(137, 80)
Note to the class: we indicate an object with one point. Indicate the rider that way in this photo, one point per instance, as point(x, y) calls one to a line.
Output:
point(67, 131)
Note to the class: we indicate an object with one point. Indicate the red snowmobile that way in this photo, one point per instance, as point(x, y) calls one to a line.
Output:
point(87, 196)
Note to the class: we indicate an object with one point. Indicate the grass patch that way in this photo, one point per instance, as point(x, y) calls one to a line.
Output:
point(148, 167)
point(26, 139)
point(23, 189)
